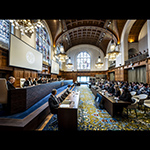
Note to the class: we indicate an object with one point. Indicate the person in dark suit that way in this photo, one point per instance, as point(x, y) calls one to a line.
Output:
point(30, 81)
point(10, 82)
point(117, 92)
point(54, 102)
point(35, 81)
point(26, 83)
point(126, 96)
point(40, 80)
point(111, 89)
point(68, 89)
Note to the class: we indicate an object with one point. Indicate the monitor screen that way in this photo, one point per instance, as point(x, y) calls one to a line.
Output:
point(24, 56)
point(55, 67)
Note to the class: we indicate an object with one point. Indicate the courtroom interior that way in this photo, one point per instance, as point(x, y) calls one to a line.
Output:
point(75, 74)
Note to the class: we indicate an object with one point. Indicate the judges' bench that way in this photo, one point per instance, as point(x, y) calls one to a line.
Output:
point(21, 99)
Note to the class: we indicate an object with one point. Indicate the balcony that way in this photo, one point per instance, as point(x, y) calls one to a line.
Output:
point(112, 65)
point(136, 59)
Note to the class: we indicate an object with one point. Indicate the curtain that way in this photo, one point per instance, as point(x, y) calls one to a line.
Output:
point(131, 75)
point(137, 74)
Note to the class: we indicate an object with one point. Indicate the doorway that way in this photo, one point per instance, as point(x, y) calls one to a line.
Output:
point(83, 79)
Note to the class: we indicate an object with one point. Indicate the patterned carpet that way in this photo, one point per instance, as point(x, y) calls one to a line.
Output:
point(91, 118)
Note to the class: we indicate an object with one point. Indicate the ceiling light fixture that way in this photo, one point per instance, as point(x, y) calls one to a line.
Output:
point(26, 25)
point(69, 65)
point(113, 51)
point(61, 56)
point(99, 63)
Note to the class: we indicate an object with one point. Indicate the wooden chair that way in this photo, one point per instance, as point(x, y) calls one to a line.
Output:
point(146, 104)
point(141, 98)
point(132, 106)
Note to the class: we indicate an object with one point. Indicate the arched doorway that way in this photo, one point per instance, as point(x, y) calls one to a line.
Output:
point(131, 51)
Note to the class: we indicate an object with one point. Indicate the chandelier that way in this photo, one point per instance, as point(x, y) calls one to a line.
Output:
point(113, 52)
point(61, 56)
point(99, 63)
point(26, 25)
point(69, 65)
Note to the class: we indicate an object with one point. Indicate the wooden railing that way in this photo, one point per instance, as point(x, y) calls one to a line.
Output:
point(136, 59)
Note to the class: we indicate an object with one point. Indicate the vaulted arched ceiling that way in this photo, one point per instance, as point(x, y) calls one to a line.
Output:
point(89, 31)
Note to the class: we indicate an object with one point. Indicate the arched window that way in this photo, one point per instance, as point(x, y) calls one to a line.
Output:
point(43, 43)
point(83, 60)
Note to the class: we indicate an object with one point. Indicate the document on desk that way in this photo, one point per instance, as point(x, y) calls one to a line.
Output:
point(67, 101)
point(64, 105)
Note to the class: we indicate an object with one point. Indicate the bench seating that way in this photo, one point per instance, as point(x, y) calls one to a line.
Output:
point(31, 118)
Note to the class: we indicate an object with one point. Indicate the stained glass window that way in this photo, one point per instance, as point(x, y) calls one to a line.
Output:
point(43, 43)
point(83, 60)
point(4, 33)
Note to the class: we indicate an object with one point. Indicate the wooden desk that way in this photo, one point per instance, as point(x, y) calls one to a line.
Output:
point(110, 104)
point(68, 116)
point(21, 99)
point(113, 106)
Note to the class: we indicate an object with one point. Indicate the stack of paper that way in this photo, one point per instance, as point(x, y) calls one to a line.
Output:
point(67, 101)
point(64, 105)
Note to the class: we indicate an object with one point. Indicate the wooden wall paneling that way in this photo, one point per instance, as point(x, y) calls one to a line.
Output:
point(18, 73)
point(73, 75)
point(4, 64)
point(34, 74)
point(120, 74)
point(148, 72)
point(53, 76)
point(3, 58)
point(23, 73)
point(125, 75)
point(27, 73)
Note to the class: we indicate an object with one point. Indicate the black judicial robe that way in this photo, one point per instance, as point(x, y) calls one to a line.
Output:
point(10, 86)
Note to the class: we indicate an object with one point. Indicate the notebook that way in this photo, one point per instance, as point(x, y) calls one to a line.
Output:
point(67, 101)
point(64, 105)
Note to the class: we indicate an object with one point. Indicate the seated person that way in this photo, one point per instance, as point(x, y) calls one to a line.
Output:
point(44, 80)
point(135, 87)
point(130, 87)
point(63, 96)
point(68, 89)
point(147, 90)
point(54, 102)
point(111, 89)
point(117, 92)
point(142, 90)
point(10, 82)
point(26, 83)
point(35, 81)
point(106, 87)
point(102, 86)
point(72, 85)
point(126, 96)
point(30, 81)
point(40, 80)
